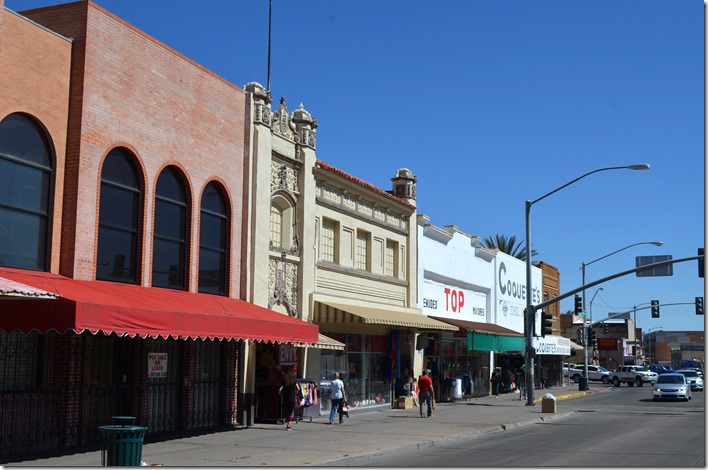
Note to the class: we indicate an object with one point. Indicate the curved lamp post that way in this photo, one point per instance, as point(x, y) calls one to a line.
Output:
point(530, 312)
point(583, 284)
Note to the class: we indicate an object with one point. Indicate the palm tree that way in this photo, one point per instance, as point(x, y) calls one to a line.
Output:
point(508, 246)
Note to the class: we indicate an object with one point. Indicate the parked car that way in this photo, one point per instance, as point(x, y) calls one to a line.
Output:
point(567, 366)
point(671, 385)
point(596, 373)
point(694, 379)
point(659, 369)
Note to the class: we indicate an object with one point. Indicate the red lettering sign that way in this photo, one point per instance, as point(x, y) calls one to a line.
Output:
point(454, 300)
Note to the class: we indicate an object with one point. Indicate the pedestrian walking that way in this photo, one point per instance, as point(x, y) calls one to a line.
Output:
point(521, 383)
point(496, 381)
point(288, 392)
point(426, 394)
point(339, 398)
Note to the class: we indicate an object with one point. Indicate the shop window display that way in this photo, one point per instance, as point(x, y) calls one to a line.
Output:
point(362, 368)
point(447, 358)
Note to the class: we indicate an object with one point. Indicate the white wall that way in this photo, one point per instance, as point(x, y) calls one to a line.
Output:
point(455, 279)
point(510, 289)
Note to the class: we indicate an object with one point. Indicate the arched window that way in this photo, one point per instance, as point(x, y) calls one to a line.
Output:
point(118, 219)
point(276, 227)
point(283, 227)
point(25, 179)
point(169, 249)
point(213, 241)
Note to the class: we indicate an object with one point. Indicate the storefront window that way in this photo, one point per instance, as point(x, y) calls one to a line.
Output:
point(447, 358)
point(362, 369)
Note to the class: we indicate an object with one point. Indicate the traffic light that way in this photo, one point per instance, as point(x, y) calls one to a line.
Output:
point(591, 336)
point(605, 328)
point(700, 262)
point(546, 323)
point(699, 305)
point(655, 309)
point(580, 335)
point(578, 305)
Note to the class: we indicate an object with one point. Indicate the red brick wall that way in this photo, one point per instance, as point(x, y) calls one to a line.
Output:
point(130, 90)
point(35, 65)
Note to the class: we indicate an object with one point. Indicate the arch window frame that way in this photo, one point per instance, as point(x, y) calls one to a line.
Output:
point(170, 233)
point(285, 207)
point(214, 250)
point(114, 225)
point(25, 216)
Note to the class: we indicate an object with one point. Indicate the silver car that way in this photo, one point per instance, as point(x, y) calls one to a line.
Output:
point(597, 373)
point(671, 385)
point(693, 377)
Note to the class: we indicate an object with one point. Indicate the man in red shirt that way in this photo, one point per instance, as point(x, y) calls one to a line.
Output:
point(425, 393)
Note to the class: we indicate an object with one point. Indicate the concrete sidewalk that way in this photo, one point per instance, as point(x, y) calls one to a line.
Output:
point(313, 443)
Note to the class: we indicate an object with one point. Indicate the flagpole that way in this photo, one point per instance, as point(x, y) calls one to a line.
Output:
point(270, 23)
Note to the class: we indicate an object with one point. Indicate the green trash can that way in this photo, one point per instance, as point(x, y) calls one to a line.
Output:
point(123, 442)
point(582, 384)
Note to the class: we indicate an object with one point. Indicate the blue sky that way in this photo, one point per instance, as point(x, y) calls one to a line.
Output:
point(492, 103)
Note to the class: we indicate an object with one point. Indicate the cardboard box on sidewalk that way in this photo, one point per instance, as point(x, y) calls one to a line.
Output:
point(403, 403)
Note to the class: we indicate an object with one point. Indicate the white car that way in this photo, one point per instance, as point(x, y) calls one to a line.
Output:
point(671, 385)
point(694, 378)
point(596, 373)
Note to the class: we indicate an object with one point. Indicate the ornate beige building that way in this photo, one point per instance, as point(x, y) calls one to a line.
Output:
point(331, 249)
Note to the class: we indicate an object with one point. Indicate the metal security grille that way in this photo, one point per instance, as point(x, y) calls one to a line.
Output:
point(164, 393)
point(56, 390)
point(22, 404)
point(108, 382)
point(207, 383)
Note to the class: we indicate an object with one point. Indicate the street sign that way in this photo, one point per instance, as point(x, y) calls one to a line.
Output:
point(666, 270)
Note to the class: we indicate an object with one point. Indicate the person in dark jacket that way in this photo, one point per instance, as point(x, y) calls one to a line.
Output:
point(496, 381)
point(288, 392)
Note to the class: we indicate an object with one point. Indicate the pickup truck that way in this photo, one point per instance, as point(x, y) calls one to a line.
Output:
point(632, 375)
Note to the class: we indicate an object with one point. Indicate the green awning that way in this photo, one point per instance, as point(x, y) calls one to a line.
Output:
point(486, 342)
point(487, 336)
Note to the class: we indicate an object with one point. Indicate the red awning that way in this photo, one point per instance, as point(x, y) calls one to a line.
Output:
point(131, 310)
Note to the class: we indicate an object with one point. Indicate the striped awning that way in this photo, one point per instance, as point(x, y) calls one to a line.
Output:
point(324, 342)
point(16, 290)
point(337, 310)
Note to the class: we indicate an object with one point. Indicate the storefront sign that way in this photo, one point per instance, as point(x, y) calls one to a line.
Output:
point(288, 354)
point(157, 365)
point(510, 286)
point(607, 344)
point(446, 301)
point(552, 345)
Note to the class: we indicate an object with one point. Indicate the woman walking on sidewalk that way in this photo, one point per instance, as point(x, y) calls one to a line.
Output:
point(288, 392)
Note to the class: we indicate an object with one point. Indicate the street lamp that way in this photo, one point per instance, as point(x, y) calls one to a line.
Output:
point(585, 352)
point(530, 312)
point(649, 333)
point(583, 284)
point(593, 298)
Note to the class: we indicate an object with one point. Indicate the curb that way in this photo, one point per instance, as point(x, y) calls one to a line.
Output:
point(574, 395)
point(355, 461)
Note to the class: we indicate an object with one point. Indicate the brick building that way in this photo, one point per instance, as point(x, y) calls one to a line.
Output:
point(121, 247)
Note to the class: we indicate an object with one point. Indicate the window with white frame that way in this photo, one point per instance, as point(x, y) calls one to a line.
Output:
point(361, 260)
point(276, 227)
point(328, 241)
point(390, 262)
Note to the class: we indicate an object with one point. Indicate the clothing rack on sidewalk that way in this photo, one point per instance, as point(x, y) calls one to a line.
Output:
point(309, 402)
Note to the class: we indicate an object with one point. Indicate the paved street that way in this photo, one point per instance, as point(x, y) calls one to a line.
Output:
point(364, 433)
